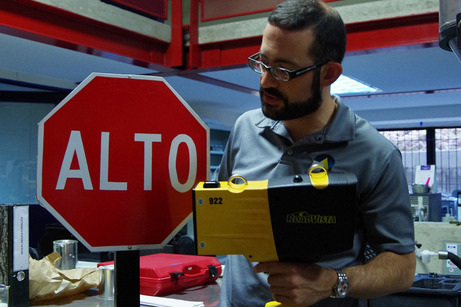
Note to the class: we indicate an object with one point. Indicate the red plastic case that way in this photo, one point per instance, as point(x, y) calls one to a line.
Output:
point(162, 274)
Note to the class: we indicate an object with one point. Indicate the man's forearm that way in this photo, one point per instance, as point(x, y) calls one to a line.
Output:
point(386, 273)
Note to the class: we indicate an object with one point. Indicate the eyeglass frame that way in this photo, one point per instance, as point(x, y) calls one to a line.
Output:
point(291, 73)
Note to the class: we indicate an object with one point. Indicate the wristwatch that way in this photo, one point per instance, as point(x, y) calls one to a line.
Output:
point(342, 285)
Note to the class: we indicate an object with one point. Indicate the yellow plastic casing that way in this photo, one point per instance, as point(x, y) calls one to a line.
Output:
point(273, 304)
point(234, 219)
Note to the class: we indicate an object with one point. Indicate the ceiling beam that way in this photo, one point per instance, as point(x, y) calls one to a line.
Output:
point(63, 28)
point(33, 97)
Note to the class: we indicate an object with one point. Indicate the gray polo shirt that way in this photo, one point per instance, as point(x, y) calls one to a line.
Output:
point(260, 148)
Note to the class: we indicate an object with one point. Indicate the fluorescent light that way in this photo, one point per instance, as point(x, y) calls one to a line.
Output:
point(347, 85)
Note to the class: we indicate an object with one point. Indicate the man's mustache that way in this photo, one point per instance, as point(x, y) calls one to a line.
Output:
point(272, 92)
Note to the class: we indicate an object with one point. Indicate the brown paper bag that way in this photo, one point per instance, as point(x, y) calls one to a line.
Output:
point(47, 282)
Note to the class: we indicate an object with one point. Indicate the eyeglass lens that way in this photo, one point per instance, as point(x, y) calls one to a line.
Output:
point(276, 72)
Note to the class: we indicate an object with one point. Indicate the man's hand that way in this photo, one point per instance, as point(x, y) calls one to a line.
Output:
point(298, 284)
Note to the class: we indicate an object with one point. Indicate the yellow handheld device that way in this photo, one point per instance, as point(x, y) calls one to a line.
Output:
point(293, 218)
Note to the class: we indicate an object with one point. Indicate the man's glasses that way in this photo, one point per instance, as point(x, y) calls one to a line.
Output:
point(278, 73)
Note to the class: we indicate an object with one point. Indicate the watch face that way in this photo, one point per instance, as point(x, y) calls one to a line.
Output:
point(342, 287)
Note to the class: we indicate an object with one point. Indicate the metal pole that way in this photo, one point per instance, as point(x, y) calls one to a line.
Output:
point(430, 141)
point(126, 270)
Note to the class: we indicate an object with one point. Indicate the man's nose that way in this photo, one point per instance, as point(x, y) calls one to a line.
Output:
point(267, 80)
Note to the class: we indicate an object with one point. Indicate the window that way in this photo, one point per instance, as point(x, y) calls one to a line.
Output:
point(18, 153)
point(413, 146)
point(448, 159)
point(416, 147)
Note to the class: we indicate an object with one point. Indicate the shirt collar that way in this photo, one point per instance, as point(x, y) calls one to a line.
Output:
point(341, 128)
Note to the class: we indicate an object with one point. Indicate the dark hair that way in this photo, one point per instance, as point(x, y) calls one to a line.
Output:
point(328, 27)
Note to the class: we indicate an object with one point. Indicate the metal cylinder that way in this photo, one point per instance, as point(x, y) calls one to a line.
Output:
point(448, 9)
point(4, 292)
point(106, 282)
point(69, 253)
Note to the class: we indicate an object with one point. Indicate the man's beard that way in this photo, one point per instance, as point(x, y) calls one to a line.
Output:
point(292, 110)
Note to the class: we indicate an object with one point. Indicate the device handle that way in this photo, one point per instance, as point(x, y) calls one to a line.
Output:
point(237, 187)
point(319, 176)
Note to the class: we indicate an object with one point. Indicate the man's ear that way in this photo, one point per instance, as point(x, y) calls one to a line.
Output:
point(331, 72)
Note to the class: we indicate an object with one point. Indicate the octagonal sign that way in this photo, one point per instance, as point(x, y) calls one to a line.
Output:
point(117, 160)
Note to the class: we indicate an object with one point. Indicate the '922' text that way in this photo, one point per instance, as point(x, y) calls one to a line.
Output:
point(215, 201)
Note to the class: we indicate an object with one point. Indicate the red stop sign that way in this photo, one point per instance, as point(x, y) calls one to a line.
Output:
point(117, 160)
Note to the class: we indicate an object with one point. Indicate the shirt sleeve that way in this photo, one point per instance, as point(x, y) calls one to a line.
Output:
point(386, 210)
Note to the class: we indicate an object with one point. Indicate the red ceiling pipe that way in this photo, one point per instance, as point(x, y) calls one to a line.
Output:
point(415, 30)
point(393, 32)
point(51, 25)
point(194, 47)
point(174, 53)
